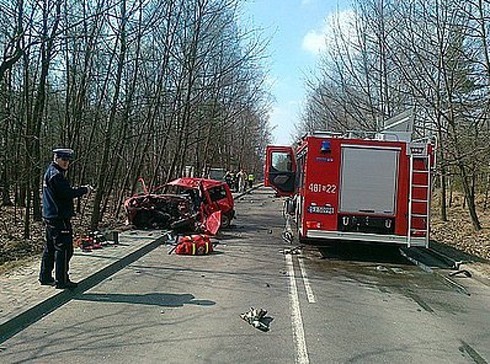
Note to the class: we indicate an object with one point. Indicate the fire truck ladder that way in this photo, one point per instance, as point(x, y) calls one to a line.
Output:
point(417, 189)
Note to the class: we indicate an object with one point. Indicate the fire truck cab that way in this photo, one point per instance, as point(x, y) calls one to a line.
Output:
point(374, 187)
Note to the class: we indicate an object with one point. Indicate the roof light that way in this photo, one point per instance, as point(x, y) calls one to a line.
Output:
point(325, 148)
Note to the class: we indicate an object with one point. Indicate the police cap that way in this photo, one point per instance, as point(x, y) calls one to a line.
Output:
point(64, 153)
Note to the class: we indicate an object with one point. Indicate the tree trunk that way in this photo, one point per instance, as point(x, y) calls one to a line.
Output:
point(470, 198)
point(102, 178)
point(443, 196)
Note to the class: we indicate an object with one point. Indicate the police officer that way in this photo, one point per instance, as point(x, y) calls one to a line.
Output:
point(58, 209)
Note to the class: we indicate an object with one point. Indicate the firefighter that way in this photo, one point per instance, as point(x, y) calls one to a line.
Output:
point(58, 209)
point(251, 179)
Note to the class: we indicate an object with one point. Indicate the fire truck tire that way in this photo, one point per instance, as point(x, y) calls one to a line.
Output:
point(301, 238)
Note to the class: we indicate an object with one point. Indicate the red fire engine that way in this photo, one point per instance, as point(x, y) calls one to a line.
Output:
point(374, 187)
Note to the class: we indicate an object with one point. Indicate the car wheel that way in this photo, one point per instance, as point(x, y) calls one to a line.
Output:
point(225, 221)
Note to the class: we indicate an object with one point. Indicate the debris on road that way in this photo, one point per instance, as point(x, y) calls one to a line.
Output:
point(256, 318)
point(94, 240)
point(293, 251)
point(461, 271)
point(287, 236)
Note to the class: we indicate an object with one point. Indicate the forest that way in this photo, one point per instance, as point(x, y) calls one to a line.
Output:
point(138, 88)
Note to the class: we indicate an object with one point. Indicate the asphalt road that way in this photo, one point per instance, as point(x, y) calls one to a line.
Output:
point(361, 304)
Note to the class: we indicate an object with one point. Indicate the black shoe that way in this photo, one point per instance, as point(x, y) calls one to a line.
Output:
point(47, 282)
point(66, 285)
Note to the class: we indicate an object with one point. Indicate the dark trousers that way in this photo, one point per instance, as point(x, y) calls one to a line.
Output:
point(58, 250)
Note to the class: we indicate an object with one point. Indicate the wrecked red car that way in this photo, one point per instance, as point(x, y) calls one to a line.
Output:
point(195, 204)
point(210, 195)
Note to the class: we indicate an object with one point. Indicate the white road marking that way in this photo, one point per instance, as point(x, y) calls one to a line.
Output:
point(296, 319)
point(306, 282)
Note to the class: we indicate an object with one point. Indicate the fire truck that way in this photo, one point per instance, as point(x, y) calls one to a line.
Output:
point(358, 186)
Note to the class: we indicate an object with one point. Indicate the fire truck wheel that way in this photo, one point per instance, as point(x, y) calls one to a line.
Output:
point(225, 221)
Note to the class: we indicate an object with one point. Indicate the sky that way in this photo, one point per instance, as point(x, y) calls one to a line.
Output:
point(296, 29)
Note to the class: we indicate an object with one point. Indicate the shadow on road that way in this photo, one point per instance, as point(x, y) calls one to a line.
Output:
point(151, 299)
point(362, 252)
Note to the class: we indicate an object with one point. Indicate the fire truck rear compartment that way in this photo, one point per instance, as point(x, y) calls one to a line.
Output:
point(368, 181)
point(368, 188)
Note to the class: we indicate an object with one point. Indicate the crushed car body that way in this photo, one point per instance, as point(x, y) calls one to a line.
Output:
point(157, 211)
point(211, 196)
point(194, 204)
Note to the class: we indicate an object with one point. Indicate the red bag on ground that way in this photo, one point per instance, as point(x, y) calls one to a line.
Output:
point(194, 245)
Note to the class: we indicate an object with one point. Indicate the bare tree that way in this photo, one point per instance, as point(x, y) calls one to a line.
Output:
point(425, 55)
point(137, 88)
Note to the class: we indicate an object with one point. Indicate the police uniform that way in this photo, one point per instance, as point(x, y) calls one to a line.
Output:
point(58, 209)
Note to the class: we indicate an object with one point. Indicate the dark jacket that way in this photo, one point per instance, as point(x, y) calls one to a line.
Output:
point(58, 195)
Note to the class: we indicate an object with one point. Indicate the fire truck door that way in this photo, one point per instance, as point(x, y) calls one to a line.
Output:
point(280, 169)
